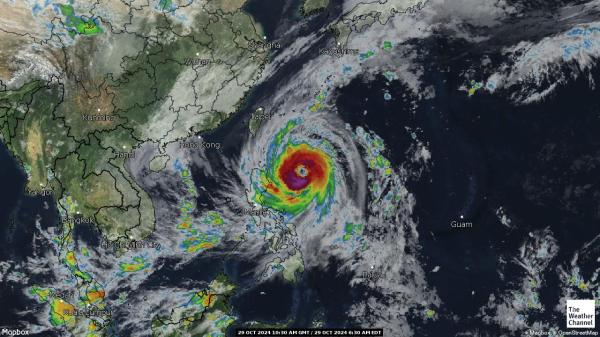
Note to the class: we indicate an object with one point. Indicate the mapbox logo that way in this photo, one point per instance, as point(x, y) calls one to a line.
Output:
point(581, 314)
point(13, 332)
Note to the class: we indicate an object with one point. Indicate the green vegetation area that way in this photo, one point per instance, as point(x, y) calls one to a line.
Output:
point(74, 136)
point(313, 6)
point(87, 172)
point(30, 131)
point(258, 117)
point(205, 314)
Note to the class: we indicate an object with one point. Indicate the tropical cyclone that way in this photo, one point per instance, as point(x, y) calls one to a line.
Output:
point(299, 187)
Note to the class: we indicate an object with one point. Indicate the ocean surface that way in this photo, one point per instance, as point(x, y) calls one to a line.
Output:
point(18, 215)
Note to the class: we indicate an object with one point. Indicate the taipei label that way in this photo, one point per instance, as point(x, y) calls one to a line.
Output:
point(581, 314)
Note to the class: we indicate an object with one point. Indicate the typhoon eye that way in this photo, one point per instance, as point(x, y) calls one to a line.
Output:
point(301, 171)
point(297, 173)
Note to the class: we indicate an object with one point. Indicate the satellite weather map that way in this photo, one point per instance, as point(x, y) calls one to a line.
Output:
point(224, 168)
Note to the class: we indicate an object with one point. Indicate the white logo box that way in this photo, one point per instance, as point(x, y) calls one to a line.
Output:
point(581, 314)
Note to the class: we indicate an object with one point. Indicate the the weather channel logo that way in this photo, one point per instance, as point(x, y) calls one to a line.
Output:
point(581, 314)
